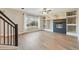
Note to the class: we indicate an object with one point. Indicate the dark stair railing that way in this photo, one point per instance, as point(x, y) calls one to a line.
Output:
point(8, 31)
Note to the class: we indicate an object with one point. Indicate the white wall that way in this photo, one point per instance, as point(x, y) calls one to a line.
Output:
point(15, 16)
point(78, 24)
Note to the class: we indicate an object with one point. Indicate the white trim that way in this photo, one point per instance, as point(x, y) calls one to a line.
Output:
point(47, 30)
point(71, 24)
point(71, 16)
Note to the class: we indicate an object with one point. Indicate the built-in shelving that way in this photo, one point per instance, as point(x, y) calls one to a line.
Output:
point(71, 13)
point(71, 23)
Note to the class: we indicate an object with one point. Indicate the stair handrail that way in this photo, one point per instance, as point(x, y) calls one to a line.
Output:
point(7, 17)
point(10, 22)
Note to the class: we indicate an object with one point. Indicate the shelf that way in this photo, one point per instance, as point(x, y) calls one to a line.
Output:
point(70, 33)
point(71, 13)
point(71, 16)
point(71, 20)
point(71, 29)
point(71, 24)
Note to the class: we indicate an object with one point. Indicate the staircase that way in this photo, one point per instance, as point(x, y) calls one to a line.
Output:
point(8, 33)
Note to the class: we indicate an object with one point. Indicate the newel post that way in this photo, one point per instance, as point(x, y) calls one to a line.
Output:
point(16, 35)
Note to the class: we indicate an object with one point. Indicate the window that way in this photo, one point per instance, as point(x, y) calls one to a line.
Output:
point(30, 21)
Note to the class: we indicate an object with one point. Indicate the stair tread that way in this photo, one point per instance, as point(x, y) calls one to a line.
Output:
point(7, 47)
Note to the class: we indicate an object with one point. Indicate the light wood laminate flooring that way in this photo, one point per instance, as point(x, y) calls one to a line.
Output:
point(43, 40)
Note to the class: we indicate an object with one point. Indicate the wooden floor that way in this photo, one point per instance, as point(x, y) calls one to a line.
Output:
point(43, 40)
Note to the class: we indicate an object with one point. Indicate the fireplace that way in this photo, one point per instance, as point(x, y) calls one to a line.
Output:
point(59, 26)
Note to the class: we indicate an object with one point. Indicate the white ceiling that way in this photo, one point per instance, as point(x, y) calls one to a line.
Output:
point(31, 11)
point(37, 11)
point(34, 11)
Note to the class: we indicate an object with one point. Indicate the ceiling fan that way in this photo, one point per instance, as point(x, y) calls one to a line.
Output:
point(46, 13)
point(46, 10)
